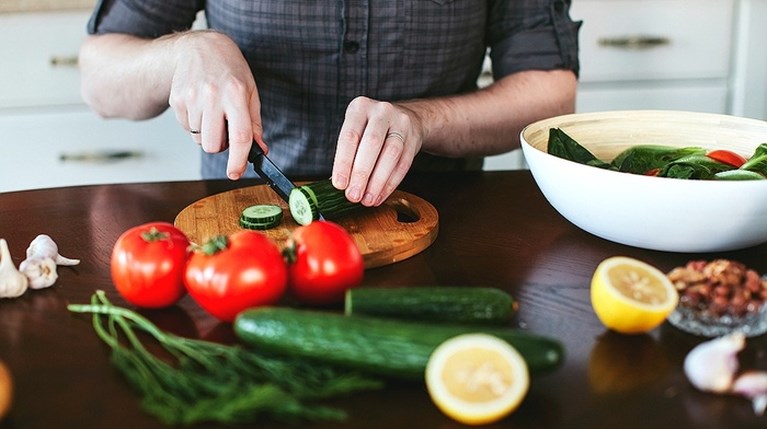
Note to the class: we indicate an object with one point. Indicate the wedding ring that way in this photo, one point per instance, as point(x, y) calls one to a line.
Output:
point(396, 135)
point(194, 131)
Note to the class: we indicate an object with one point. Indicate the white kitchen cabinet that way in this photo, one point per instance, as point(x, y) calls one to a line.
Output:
point(660, 54)
point(696, 55)
point(49, 138)
point(72, 146)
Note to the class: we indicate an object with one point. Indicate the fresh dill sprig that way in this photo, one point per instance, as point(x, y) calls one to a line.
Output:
point(212, 382)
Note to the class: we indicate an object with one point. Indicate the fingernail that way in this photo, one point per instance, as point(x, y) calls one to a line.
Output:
point(354, 194)
point(368, 200)
point(340, 182)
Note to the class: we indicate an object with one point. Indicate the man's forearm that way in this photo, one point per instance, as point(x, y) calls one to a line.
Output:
point(488, 122)
point(125, 76)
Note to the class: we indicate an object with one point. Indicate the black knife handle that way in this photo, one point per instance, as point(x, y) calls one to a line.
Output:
point(255, 151)
point(269, 172)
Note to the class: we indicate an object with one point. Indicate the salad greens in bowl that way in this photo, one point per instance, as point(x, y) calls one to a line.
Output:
point(661, 180)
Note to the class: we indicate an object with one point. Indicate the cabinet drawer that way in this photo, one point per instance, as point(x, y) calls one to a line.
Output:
point(654, 39)
point(682, 96)
point(39, 58)
point(46, 149)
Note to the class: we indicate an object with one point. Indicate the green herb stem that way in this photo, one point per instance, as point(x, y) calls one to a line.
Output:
point(215, 382)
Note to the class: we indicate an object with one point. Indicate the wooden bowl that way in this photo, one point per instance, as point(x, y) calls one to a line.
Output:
point(652, 212)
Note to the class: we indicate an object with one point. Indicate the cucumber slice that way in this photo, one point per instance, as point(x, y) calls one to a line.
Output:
point(259, 226)
point(303, 206)
point(261, 216)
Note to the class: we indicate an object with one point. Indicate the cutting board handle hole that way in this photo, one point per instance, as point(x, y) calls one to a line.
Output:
point(405, 211)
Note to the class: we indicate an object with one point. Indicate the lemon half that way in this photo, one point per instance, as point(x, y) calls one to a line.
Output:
point(476, 378)
point(630, 296)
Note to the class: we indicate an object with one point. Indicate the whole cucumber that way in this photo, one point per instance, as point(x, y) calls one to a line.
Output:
point(483, 305)
point(388, 347)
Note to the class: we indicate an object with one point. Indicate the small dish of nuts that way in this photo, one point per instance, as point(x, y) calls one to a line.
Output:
point(719, 297)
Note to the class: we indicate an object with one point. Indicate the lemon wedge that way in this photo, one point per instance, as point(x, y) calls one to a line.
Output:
point(630, 296)
point(476, 378)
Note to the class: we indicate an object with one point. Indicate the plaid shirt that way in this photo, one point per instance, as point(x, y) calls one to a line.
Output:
point(311, 58)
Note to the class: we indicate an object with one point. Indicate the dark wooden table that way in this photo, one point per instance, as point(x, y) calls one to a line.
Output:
point(496, 229)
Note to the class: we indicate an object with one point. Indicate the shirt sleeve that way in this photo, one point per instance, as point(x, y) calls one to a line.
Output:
point(532, 35)
point(143, 18)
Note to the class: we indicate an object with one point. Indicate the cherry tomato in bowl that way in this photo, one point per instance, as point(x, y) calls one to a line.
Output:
point(727, 157)
point(148, 263)
point(323, 262)
point(231, 273)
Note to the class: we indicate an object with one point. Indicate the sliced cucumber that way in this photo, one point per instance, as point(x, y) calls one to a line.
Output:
point(307, 202)
point(303, 206)
point(261, 216)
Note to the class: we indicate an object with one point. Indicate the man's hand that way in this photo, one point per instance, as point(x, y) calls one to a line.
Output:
point(214, 96)
point(376, 147)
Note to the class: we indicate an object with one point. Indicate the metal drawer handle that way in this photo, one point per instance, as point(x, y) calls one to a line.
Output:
point(101, 157)
point(64, 61)
point(634, 42)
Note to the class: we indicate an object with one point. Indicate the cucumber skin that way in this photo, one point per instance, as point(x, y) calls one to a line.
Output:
point(386, 347)
point(433, 303)
point(331, 202)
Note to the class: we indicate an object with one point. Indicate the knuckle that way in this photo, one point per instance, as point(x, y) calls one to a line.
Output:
point(236, 87)
point(360, 176)
point(350, 136)
point(239, 136)
point(393, 149)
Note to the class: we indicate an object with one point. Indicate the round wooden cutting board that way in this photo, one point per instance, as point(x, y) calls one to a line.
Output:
point(401, 227)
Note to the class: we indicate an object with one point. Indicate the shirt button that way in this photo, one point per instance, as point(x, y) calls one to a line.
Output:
point(351, 46)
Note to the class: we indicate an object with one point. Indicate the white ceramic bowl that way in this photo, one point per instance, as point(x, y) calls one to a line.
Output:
point(652, 212)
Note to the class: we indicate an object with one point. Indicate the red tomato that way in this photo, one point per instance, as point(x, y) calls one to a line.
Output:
point(239, 271)
point(323, 262)
point(653, 172)
point(148, 263)
point(727, 157)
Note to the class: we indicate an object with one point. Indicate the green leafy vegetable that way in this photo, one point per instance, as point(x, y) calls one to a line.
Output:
point(758, 161)
point(564, 146)
point(693, 167)
point(643, 158)
point(738, 175)
point(215, 382)
point(664, 161)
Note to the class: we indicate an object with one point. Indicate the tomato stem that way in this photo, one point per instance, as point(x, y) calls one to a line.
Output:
point(215, 245)
point(153, 235)
point(289, 252)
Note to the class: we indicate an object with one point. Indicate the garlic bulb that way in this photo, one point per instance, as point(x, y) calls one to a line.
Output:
point(711, 365)
point(12, 282)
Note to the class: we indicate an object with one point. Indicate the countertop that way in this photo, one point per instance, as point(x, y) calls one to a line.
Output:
point(495, 229)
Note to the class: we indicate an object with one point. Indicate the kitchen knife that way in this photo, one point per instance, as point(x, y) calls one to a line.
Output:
point(271, 174)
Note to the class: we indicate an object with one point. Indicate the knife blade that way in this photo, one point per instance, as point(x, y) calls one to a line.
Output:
point(269, 172)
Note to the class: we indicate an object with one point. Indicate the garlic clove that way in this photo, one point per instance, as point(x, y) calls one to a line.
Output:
point(12, 282)
point(43, 246)
point(41, 272)
point(753, 385)
point(711, 365)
